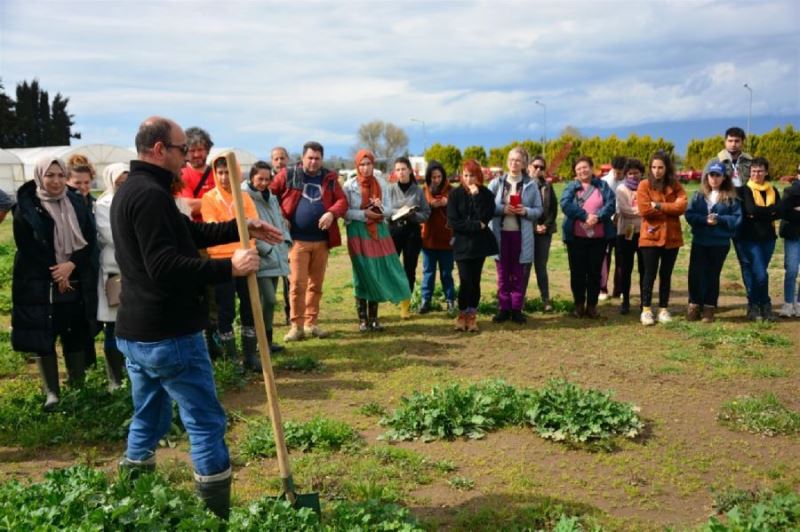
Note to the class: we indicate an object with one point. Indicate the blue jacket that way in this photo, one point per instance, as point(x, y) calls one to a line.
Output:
point(729, 217)
point(274, 257)
point(531, 200)
point(573, 212)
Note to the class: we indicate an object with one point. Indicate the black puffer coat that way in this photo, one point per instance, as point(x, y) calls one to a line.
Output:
point(32, 328)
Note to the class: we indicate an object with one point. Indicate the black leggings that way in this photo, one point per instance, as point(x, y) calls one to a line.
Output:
point(585, 261)
point(626, 251)
point(226, 302)
point(652, 256)
point(408, 243)
point(705, 266)
point(469, 278)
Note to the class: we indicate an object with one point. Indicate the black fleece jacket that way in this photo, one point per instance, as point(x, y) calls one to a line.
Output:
point(163, 275)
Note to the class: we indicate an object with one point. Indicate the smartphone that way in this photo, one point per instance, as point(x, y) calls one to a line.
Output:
point(515, 200)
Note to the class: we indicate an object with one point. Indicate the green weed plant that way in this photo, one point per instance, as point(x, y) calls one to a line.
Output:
point(561, 411)
point(764, 415)
point(318, 433)
point(80, 498)
point(762, 511)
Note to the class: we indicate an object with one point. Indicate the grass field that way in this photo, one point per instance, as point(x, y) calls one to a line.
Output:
point(719, 404)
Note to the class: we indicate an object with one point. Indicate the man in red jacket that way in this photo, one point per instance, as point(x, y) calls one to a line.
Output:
point(311, 200)
point(196, 175)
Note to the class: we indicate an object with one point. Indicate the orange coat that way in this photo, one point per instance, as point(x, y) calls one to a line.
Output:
point(661, 227)
point(217, 206)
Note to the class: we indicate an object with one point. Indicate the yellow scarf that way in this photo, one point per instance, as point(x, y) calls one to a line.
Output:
point(758, 198)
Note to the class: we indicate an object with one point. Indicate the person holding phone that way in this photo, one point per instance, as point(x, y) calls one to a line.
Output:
point(517, 207)
point(714, 215)
point(377, 272)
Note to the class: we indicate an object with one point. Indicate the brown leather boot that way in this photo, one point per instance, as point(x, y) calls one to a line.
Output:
point(472, 322)
point(591, 312)
point(708, 314)
point(693, 312)
point(461, 322)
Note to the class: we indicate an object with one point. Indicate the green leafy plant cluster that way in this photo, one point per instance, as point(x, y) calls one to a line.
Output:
point(80, 498)
point(561, 411)
point(452, 411)
point(765, 511)
point(761, 415)
point(228, 376)
point(318, 433)
point(89, 414)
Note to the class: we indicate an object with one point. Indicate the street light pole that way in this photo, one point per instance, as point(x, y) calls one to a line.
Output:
point(544, 128)
point(424, 135)
point(749, 114)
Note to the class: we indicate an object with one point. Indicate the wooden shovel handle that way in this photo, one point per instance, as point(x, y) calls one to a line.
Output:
point(261, 331)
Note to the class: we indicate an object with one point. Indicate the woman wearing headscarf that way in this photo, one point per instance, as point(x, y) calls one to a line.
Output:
point(53, 292)
point(377, 272)
point(108, 284)
point(437, 247)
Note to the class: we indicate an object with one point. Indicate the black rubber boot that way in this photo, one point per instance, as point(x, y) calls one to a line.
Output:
point(76, 368)
point(133, 469)
point(213, 343)
point(215, 492)
point(230, 353)
point(501, 316)
point(766, 312)
point(372, 315)
point(48, 371)
point(250, 351)
point(273, 347)
point(361, 308)
point(115, 362)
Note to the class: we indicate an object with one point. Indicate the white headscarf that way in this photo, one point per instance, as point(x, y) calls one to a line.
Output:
point(67, 236)
point(110, 175)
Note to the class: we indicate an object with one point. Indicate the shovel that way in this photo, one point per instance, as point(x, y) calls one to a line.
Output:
point(297, 500)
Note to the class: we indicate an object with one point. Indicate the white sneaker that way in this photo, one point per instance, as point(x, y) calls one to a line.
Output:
point(664, 316)
point(295, 334)
point(787, 310)
point(647, 318)
point(603, 296)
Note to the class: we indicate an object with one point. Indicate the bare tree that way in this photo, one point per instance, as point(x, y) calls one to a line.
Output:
point(384, 139)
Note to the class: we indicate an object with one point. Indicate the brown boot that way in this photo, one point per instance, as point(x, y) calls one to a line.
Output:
point(591, 312)
point(693, 312)
point(708, 314)
point(472, 322)
point(461, 322)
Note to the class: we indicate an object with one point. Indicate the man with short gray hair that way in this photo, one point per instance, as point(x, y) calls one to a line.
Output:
point(163, 310)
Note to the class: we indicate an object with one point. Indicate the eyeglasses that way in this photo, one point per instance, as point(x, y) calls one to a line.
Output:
point(184, 149)
point(538, 167)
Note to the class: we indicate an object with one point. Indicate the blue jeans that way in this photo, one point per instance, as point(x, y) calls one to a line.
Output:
point(176, 369)
point(757, 253)
point(444, 258)
point(745, 266)
point(791, 261)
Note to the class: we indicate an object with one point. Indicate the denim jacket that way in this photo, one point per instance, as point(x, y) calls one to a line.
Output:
point(729, 216)
point(573, 212)
point(531, 200)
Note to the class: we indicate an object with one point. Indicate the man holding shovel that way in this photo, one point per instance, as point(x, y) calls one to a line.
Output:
point(163, 310)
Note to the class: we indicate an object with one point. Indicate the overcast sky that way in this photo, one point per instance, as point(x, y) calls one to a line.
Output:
point(257, 74)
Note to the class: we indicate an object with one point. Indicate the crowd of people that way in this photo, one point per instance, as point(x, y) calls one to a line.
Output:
point(156, 265)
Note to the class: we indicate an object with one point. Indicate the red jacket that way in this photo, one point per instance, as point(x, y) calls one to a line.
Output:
point(289, 189)
point(436, 234)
